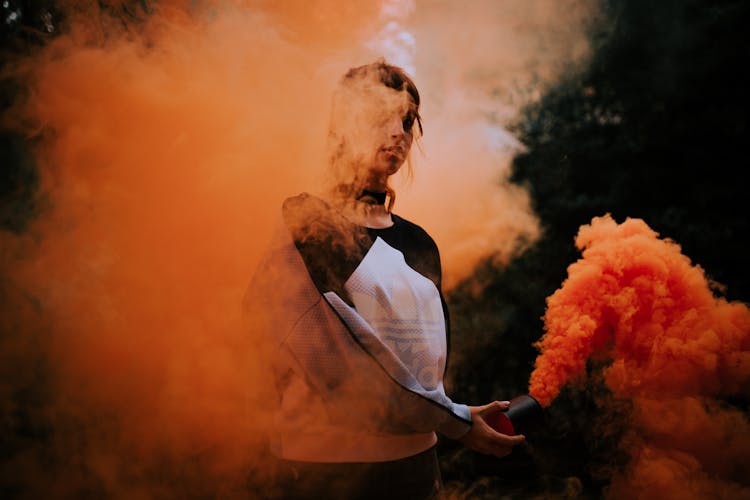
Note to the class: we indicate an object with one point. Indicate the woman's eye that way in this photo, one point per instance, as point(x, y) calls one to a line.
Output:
point(408, 122)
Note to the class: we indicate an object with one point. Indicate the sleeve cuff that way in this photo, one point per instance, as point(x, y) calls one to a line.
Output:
point(458, 424)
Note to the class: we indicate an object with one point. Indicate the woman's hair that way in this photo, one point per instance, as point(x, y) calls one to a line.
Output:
point(391, 76)
point(357, 85)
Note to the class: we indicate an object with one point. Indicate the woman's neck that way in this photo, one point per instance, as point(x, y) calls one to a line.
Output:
point(367, 214)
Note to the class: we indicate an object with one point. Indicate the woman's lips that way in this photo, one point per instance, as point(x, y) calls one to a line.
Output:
point(394, 151)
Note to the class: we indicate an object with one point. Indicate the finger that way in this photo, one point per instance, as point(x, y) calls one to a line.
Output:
point(506, 440)
point(493, 407)
point(489, 407)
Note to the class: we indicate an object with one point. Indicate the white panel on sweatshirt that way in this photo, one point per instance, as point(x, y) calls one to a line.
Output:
point(398, 318)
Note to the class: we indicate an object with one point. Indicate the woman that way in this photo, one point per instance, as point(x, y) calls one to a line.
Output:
point(349, 298)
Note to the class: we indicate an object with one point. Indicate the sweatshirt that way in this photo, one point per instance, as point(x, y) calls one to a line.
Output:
point(357, 330)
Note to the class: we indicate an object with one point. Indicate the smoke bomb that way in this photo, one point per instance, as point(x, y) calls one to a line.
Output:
point(525, 415)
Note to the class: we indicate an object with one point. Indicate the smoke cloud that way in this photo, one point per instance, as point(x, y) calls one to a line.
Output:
point(476, 65)
point(165, 144)
point(672, 349)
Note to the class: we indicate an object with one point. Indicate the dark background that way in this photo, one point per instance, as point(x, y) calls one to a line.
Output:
point(656, 128)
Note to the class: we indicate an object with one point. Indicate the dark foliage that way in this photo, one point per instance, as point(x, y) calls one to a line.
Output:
point(24, 27)
point(656, 128)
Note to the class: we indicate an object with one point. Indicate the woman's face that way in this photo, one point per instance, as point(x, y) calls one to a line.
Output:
point(393, 138)
point(372, 131)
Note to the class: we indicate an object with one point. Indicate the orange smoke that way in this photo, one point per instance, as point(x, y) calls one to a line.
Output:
point(672, 348)
point(638, 299)
point(164, 149)
point(165, 141)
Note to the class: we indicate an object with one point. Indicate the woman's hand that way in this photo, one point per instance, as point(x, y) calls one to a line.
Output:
point(483, 438)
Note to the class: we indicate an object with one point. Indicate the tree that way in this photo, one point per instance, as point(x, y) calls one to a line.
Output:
point(655, 128)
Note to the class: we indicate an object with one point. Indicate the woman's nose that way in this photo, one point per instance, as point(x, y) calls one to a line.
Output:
point(395, 127)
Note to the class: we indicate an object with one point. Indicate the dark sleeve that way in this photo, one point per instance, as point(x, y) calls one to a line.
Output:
point(330, 245)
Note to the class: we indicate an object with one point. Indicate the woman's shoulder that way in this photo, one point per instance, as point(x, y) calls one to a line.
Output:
point(413, 230)
point(304, 208)
point(419, 249)
point(309, 217)
point(303, 202)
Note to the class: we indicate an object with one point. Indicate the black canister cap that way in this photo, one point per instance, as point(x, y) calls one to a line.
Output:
point(525, 413)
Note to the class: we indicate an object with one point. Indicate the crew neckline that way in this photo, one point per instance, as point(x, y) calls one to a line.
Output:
point(394, 218)
point(330, 206)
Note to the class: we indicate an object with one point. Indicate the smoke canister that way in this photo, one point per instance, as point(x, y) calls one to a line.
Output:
point(524, 415)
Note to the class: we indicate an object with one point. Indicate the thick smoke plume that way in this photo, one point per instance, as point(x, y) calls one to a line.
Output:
point(165, 143)
point(671, 348)
point(482, 61)
point(165, 148)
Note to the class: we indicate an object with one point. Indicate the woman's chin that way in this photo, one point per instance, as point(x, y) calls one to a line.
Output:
point(385, 169)
point(393, 163)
